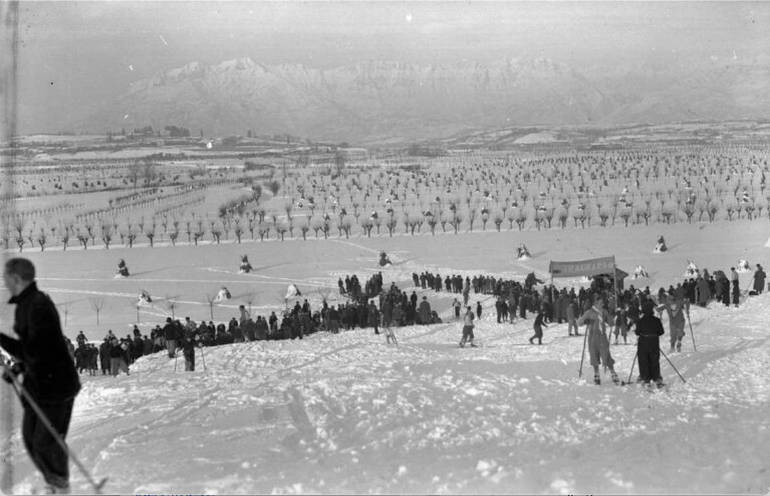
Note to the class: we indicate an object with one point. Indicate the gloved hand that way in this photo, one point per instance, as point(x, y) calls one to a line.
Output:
point(9, 373)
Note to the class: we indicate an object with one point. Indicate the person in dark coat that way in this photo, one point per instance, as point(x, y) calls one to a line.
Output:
point(649, 329)
point(736, 292)
point(478, 310)
point(538, 327)
point(424, 311)
point(49, 372)
point(759, 279)
point(188, 350)
point(373, 317)
point(119, 357)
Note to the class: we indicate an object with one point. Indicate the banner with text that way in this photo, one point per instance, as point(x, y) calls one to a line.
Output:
point(592, 267)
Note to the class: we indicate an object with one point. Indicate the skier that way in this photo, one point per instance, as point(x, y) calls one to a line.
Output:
point(50, 378)
point(457, 306)
point(384, 260)
point(598, 344)
point(223, 295)
point(538, 327)
point(467, 328)
point(188, 351)
point(640, 272)
point(675, 308)
point(144, 298)
point(292, 292)
point(122, 268)
point(660, 247)
point(522, 253)
point(649, 329)
point(245, 266)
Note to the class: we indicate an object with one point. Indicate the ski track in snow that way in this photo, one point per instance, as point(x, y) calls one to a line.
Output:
point(346, 412)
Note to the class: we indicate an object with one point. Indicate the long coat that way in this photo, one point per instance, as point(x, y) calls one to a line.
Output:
point(50, 372)
point(759, 280)
point(703, 293)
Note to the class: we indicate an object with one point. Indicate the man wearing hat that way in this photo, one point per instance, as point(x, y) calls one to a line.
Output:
point(170, 331)
point(649, 329)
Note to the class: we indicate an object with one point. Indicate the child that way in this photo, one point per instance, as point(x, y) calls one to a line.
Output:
point(467, 328)
point(538, 326)
point(621, 324)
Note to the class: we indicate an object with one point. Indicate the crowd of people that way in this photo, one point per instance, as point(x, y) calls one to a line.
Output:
point(395, 308)
point(608, 312)
point(621, 312)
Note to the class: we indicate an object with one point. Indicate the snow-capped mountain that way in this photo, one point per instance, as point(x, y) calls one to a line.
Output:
point(380, 99)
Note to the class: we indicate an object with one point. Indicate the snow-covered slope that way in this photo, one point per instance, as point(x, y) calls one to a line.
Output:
point(348, 413)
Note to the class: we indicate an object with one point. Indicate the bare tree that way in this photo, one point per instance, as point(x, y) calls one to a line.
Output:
point(150, 233)
point(171, 304)
point(216, 231)
point(97, 304)
point(107, 234)
point(211, 299)
point(66, 306)
point(41, 239)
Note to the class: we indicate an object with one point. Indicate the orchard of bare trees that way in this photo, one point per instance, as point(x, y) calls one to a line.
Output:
point(455, 194)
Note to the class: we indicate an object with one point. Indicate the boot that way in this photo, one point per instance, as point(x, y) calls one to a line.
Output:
point(679, 346)
point(597, 379)
point(615, 378)
point(52, 489)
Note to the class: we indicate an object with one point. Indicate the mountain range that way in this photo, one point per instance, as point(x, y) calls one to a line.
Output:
point(380, 101)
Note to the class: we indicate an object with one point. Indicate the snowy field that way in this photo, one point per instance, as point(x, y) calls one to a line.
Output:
point(189, 274)
point(349, 414)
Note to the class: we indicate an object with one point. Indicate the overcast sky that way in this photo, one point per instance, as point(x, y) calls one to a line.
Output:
point(73, 53)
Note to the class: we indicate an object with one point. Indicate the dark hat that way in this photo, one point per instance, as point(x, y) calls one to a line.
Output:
point(168, 319)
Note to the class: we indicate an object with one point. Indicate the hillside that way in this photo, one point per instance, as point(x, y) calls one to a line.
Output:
point(342, 413)
point(380, 100)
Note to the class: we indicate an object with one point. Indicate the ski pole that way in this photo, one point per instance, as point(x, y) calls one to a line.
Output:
point(203, 358)
point(692, 334)
point(23, 394)
point(176, 358)
point(632, 366)
point(672, 365)
point(583, 355)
